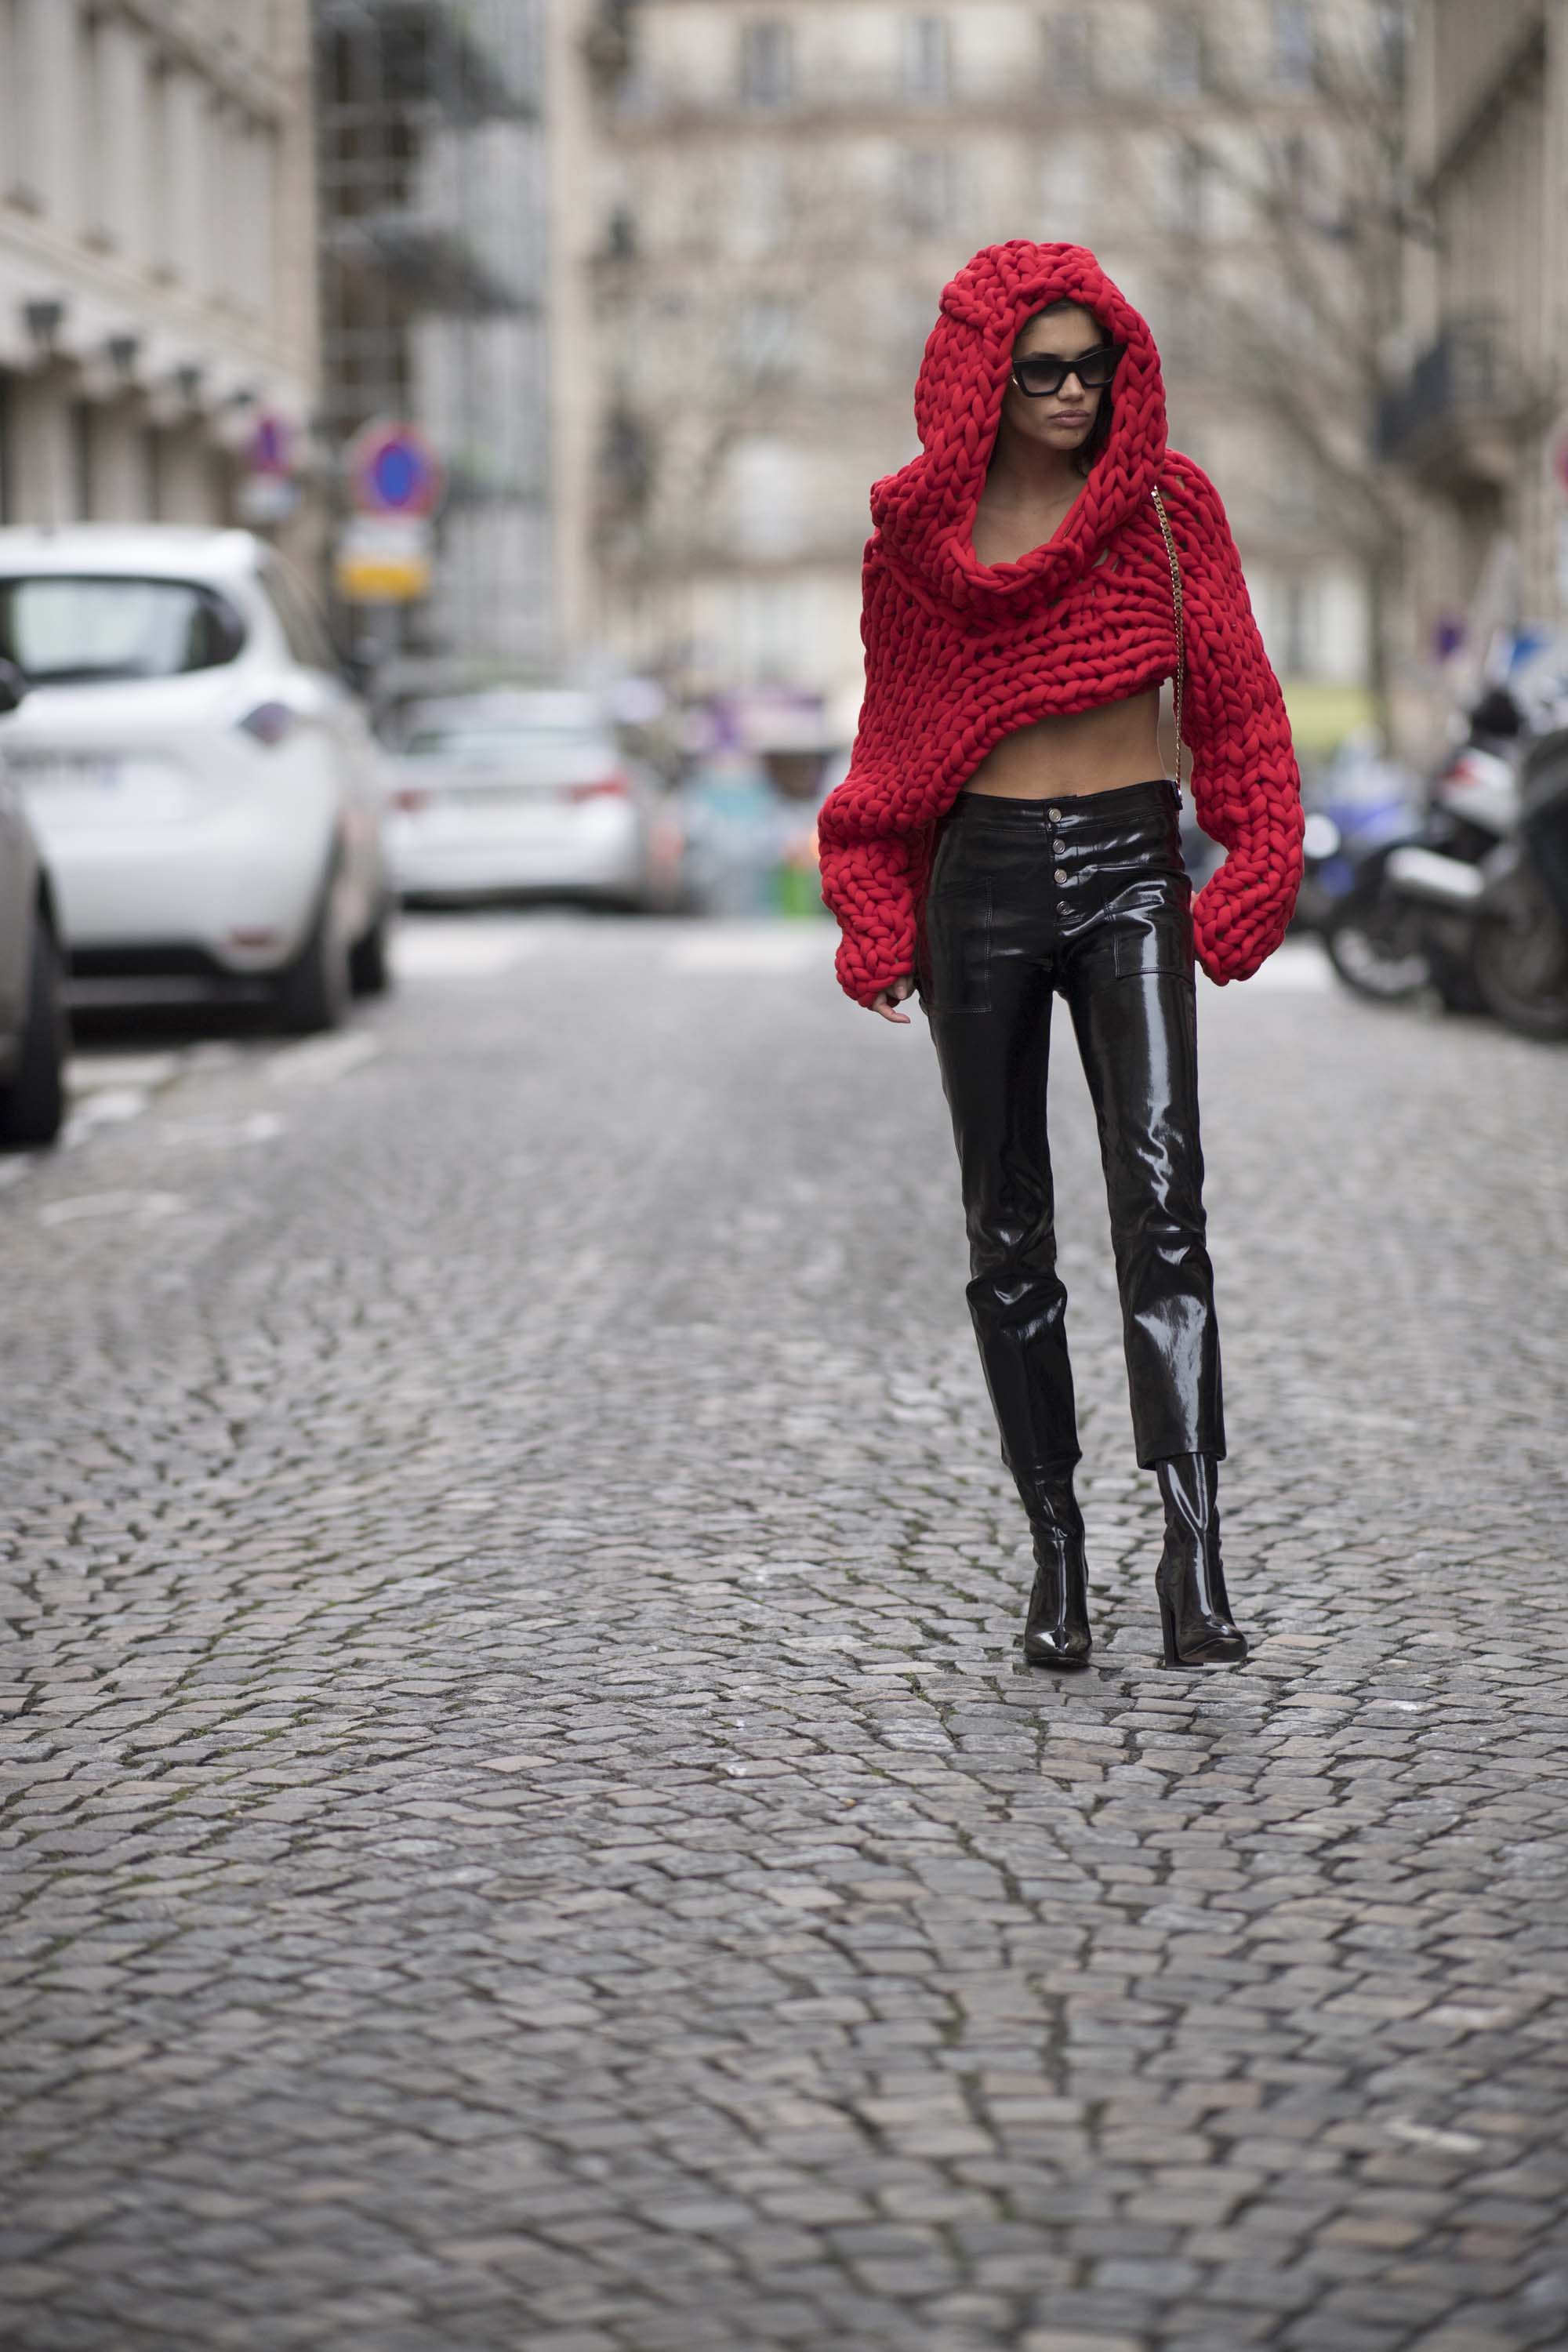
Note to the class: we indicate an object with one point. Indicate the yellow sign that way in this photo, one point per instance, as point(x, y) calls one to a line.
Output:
point(385, 560)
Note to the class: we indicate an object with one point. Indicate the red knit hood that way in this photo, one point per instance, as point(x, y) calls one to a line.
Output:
point(925, 513)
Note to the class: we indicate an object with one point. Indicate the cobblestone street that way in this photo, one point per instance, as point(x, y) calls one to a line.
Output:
point(527, 1827)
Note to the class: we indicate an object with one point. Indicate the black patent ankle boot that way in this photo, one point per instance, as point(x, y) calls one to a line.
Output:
point(1055, 1631)
point(1195, 1611)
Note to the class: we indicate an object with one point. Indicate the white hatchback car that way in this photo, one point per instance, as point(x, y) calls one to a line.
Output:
point(200, 774)
point(527, 792)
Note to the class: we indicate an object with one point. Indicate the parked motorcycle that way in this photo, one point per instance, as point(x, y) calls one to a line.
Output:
point(1408, 920)
point(1521, 943)
point(1361, 800)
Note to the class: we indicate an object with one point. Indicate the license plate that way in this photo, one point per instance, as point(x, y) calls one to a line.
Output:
point(497, 796)
point(49, 771)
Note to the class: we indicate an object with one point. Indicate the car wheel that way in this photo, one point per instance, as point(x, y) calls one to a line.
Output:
point(33, 1106)
point(312, 992)
point(370, 959)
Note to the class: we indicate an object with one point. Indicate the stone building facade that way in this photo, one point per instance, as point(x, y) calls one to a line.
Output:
point(774, 194)
point(1481, 421)
point(157, 279)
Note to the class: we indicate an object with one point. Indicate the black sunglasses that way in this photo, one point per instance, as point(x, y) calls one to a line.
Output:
point(1042, 373)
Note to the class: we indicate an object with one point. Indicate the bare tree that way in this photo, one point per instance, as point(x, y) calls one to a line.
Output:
point(696, 358)
point(757, 284)
point(1304, 300)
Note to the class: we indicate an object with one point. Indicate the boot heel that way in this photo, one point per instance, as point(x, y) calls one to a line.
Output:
point(1168, 1627)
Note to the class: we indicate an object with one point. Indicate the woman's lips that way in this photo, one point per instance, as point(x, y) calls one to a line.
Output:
point(1070, 416)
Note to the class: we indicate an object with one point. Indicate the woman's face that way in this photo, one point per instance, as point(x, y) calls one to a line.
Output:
point(1057, 420)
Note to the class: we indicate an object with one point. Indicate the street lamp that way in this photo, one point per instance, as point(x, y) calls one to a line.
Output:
point(43, 320)
point(123, 353)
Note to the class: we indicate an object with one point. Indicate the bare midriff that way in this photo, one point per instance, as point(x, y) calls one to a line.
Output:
point(1091, 751)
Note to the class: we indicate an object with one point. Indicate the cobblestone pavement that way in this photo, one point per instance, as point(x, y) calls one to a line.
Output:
point(528, 1829)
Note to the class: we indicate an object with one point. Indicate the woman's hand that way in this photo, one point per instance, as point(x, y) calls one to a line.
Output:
point(893, 994)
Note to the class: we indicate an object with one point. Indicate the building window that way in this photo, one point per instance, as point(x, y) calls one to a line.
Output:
point(1298, 617)
point(1069, 53)
point(218, 150)
point(926, 58)
point(1071, 166)
point(96, 196)
point(18, 101)
point(1181, 53)
point(766, 63)
point(620, 234)
point(155, 463)
point(260, 152)
point(763, 495)
point(7, 487)
point(84, 502)
point(1191, 188)
point(768, 338)
point(1297, 158)
point(158, 183)
point(1295, 45)
point(1393, 37)
point(925, 191)
point(909, 324)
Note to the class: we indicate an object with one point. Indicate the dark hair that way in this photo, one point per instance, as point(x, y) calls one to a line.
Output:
point(1099, 431)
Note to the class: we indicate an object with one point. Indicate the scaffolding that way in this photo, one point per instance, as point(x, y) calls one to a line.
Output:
point(431, 192)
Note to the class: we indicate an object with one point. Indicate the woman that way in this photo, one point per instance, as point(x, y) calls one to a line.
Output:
point(1006, 832)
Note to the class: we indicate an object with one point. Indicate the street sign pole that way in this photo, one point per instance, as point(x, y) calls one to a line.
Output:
point(395, 483)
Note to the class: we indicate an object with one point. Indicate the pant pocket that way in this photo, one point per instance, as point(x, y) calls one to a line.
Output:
point(1153, 940)
point(957, 964)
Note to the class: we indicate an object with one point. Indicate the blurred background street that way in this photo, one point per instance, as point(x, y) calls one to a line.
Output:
point(524, 1823)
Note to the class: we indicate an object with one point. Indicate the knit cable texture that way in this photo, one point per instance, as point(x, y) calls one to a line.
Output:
point(960, 654)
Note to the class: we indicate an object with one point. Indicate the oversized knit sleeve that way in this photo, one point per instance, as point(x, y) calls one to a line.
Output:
point(871, 866)
point(1246, 786)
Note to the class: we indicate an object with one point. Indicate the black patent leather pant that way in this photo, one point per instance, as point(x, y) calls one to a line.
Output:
point(1084, 896)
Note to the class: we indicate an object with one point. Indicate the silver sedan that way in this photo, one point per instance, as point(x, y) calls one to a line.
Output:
point(527, 793)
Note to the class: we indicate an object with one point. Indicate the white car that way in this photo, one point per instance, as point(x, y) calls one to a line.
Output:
point(199, 771)
point(527, 792)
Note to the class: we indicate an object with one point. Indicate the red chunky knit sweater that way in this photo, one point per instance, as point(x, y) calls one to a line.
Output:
point(959, 654)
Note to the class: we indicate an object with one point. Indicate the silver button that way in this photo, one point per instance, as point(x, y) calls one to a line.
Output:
point(1054, 813)
point(1061, 874)
point(1060, 848)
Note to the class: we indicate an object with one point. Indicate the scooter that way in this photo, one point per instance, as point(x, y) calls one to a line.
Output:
point(1521, 943)
point(1362, 801)
point(1407, 921)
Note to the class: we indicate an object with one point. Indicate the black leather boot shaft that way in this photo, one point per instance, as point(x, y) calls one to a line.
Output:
point(1195, 1609)
point(1055, 1631)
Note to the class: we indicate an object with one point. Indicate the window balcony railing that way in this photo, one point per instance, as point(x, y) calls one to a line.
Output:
point(1455, 417)
point(415, 54)
point(426, 264)
point(761, 95)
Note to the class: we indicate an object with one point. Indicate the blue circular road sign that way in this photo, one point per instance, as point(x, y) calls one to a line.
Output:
point(393, 470)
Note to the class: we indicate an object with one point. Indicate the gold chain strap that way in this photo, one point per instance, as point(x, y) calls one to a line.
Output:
point(1181, 634)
